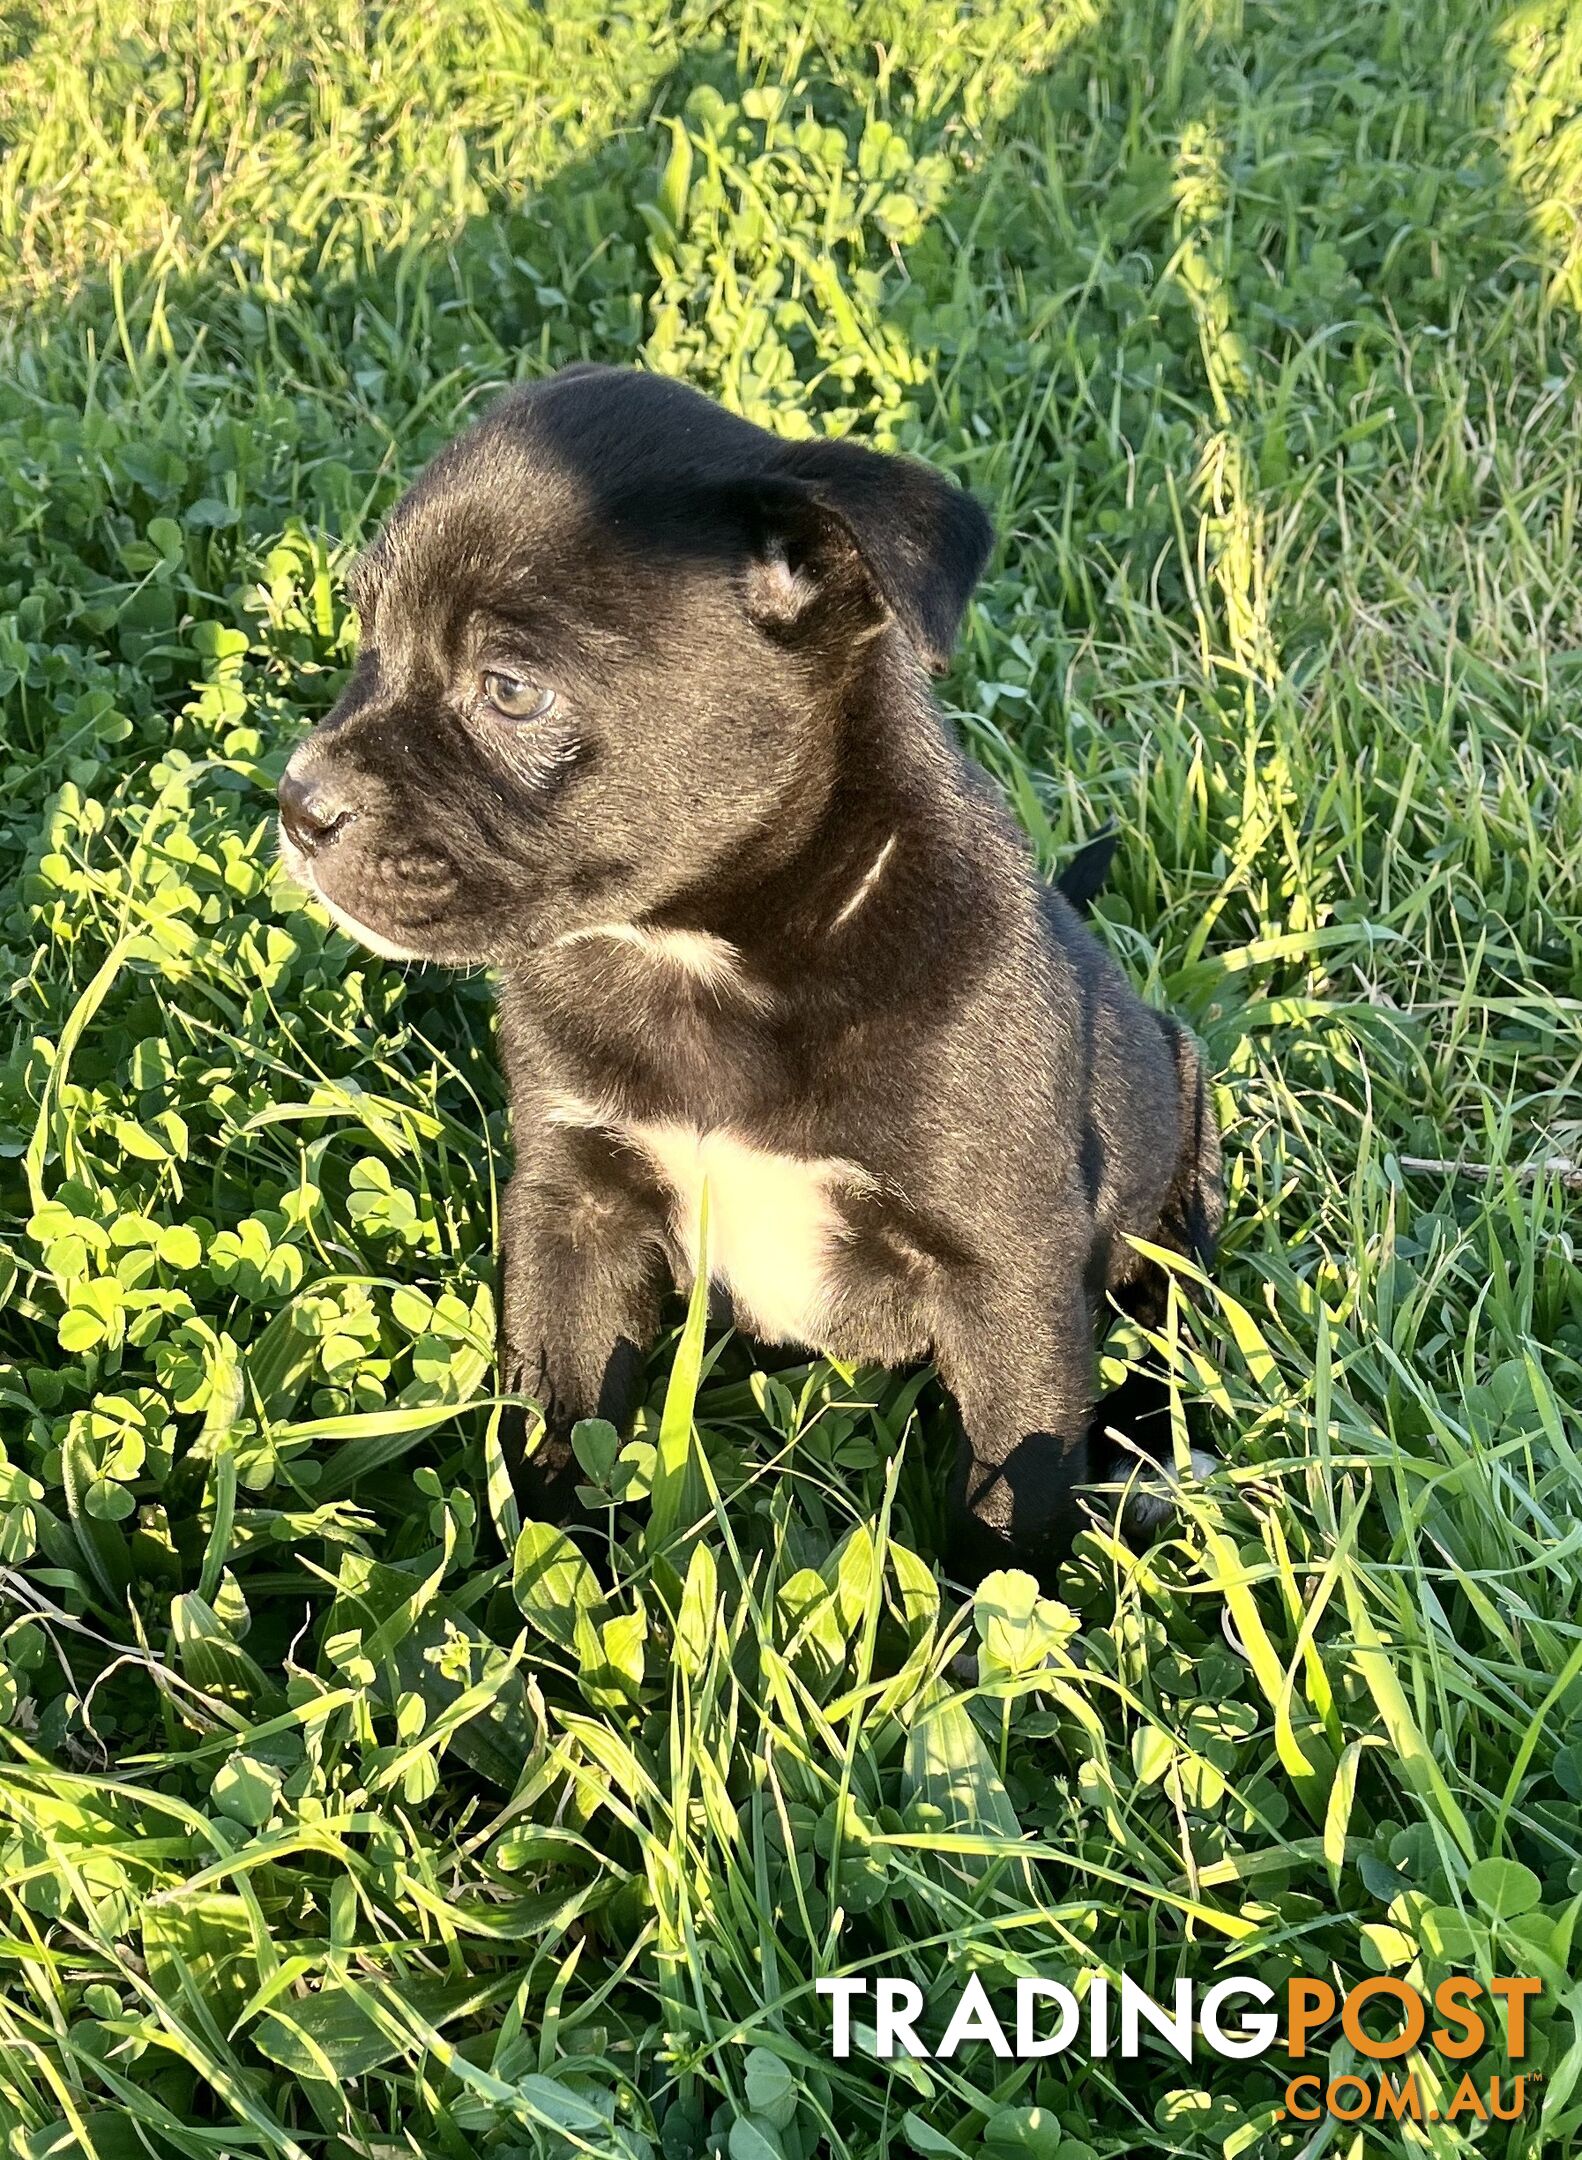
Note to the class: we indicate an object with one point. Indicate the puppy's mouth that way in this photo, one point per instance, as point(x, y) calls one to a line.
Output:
point(299, 868)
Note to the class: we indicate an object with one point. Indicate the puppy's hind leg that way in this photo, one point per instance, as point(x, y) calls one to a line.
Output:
point(1193, 1210)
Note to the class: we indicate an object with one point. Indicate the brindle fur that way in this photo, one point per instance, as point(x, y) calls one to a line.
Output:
point(742, 881)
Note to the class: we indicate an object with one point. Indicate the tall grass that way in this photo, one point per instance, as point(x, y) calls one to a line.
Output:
point(340, 1812)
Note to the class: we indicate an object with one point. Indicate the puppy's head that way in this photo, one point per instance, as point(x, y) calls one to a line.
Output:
point(604, 636)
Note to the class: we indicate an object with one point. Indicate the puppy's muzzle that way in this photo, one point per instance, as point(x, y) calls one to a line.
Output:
point(312, 810)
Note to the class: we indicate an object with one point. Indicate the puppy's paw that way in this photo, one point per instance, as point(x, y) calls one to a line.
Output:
point(1154, 1496)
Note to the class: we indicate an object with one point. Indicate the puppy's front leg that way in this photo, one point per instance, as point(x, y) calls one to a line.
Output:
point(582, 1273)
point(1023, 1380)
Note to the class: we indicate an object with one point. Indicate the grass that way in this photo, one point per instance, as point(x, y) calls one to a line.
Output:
point(336, 1817)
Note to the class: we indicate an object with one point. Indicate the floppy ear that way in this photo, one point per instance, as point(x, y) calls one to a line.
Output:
point(923, 540)
point(807, 580)
point(836, 526)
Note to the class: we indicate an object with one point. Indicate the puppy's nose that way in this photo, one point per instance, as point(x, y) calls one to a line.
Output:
point(312, 810)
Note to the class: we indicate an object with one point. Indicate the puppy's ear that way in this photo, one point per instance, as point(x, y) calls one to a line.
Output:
point(806, 580)
point(922, 540)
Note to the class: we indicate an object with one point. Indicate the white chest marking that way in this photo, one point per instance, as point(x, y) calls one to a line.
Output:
point(774, 1221)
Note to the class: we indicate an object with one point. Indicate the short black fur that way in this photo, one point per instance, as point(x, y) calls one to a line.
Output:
point(640, 717)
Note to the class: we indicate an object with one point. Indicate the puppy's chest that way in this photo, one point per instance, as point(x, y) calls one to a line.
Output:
point(776, 1222)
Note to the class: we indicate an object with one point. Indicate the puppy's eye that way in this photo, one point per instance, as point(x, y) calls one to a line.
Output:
point(514, 699)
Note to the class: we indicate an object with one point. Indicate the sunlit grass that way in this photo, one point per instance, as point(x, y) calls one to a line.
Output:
point(339, 1814)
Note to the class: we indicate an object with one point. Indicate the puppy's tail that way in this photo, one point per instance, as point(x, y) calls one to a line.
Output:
point(1082, 880)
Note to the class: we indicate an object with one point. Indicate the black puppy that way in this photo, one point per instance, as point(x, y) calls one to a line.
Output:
point(640, 717)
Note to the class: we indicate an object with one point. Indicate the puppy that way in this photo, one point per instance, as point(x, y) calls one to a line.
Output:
point(640, 718)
